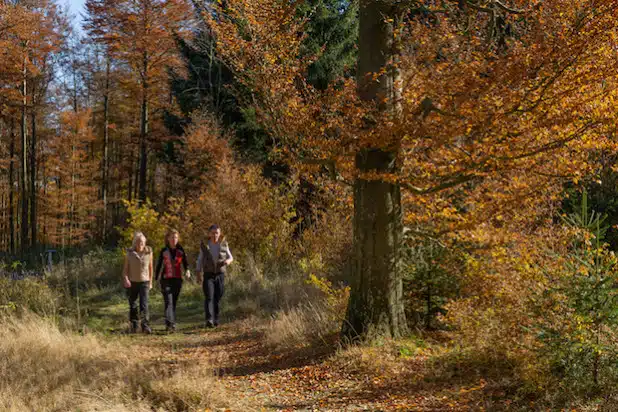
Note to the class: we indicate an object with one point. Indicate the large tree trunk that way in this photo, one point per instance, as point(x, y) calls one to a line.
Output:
point(376, 305)
point(24, 161)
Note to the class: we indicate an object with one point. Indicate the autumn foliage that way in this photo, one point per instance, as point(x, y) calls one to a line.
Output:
point(495, 108)
point(486, 120)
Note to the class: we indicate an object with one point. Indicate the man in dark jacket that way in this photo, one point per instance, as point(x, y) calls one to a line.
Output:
point(212, 263)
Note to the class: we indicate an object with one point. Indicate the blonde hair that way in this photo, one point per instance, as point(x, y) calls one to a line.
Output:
point(169, 233)
point(136, 237)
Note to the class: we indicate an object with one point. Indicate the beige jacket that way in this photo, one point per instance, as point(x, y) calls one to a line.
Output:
point(137, 265)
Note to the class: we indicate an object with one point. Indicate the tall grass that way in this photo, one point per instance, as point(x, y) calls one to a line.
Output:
point(28, 295)
point(43, 369)
point(310, 323)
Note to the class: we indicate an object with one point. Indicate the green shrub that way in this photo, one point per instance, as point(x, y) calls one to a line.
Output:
point(429, 283)
point(578, 311)
point(28, 295)
point(144, 218)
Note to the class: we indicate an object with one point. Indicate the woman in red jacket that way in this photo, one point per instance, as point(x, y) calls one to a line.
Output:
point(172, 261)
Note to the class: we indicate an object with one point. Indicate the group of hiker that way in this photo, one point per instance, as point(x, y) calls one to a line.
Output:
point(172, 266)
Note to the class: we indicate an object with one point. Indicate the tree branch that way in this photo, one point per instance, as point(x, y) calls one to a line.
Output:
point(508, 9)
point(330, 166)
point(455, 181)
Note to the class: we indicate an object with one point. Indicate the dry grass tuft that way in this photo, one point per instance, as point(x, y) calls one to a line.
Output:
point(309, 323)
point(42, 368)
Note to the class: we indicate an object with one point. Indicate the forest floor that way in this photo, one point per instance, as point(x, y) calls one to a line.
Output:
point(311, 378)
point(254, 375)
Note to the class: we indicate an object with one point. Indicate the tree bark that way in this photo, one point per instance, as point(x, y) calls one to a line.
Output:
point(376, 296)
point(105, 165)
point(24, 161)
point(33, 191)
point(130, 184)
point(143, 152)
point(12, 190)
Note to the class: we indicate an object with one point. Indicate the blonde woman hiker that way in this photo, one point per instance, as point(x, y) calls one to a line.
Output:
point(172, 261)
point(137, 279)
point(212, 264)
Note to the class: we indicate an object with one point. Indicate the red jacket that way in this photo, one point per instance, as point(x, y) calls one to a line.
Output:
point(171, 262)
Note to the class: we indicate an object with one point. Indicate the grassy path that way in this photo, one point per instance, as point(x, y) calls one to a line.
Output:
point(256, 377)
point(252, 375)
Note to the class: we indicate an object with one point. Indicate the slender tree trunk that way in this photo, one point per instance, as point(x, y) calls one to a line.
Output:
point(12, 189)
point(33, 191)
point(61, 209)
point(376, 297)
point(130, 185)
point(105, 166)
point(152, 170)
point(72, 207)
point(143, 152)
point(24, 161)
point(3, 223)
point(45, 219)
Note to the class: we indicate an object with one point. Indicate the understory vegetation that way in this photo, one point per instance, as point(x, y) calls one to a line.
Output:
point(420, 198)
point(541, 330)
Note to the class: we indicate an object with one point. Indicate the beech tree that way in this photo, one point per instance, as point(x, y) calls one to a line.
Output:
point(30, 33)
point(141, 33)
point(502, 99)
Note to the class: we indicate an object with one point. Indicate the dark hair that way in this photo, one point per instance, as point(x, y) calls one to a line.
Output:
point(213, 227)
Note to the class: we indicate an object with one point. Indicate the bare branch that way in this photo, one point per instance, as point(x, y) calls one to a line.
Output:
point(331, 166)
point(508, 9)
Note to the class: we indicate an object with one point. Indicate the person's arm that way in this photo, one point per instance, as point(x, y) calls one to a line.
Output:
point(185, 264)
point(230, 258)
point(159, 263)
point(150, 268)
point(125, 273)
point(199, 265)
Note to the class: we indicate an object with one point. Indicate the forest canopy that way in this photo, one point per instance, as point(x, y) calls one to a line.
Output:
point(432, 166)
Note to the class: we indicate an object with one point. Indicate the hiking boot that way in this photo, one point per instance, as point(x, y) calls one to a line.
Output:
point(210, 324)
point(170, 328)
point(146, 329)
point(133, 328)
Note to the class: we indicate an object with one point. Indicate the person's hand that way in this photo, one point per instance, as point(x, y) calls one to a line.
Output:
point(150, 286)
point(188, 274)
point(126, 282)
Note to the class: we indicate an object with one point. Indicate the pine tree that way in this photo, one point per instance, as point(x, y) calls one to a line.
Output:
point(332, 34)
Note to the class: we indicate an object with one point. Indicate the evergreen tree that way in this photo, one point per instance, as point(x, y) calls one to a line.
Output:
point(208, 84)
point(332, 35)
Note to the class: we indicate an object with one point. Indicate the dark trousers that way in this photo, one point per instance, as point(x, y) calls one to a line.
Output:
point(170, 289)
point(213, 291)
point(138, 289)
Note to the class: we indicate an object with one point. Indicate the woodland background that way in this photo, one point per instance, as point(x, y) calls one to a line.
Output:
point(420, 197)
